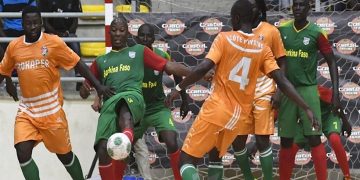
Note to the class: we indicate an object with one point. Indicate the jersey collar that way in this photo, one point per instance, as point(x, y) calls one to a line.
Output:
point(257, 26)
point(244, 33)
point(293, 24)
point(27, 43)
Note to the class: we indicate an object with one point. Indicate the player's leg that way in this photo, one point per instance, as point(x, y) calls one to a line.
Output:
point(242, 156)
point(318, 153)
point(287, 124)
point(72, 165)
point(332, 129)
point(215, 168)
point(266, 155)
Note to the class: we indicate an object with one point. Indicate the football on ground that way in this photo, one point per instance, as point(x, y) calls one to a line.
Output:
point(118, 146)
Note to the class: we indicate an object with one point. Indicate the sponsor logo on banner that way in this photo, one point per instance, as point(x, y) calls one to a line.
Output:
point(355, 135)
point(194, 47)
point(355, 25)
point(162, 45)
point(326, 24)
point(324, 70)
point(156, 137)
point(228, 159)
point(152, 157)
point(350, 90)
point(198, 92)
point(176, 116)
point(302, 157)
point(275, 138)
point(134, 25)
point(278, 23)
point(256, 159)
point(212, 26)
point(166, 90)
point(346, 46)
point(357, 69)
point(174, 27)
point(332, 156)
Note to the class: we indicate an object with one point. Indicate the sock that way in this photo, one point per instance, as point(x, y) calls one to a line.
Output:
point(174, 163)
point(107, 172)
point(30, 170)
point(266, 159)
point(340, 153)
point(242, 158)
point(119, 169)
point(319, 158)
point(74, 169)
point(287, 161)
point(215, 171)
point(129, 133)
point(189, 172)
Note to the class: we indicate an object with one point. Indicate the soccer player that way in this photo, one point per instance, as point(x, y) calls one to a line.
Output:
point(123, 69)
point(260, 122)
point(240, 57)
point(37, 57)
point(302, 40)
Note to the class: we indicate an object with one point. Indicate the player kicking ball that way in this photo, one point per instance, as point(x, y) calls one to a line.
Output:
point(240, 57)
point(37, 56)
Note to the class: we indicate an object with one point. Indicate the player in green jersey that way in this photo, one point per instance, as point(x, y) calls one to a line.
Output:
point(302, 40)
point(123, 69)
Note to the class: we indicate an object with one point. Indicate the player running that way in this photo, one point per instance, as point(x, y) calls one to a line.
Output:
point(123, 69)
point(302, 40)
point(240, 57)
point(261, 121)
point(37, 57)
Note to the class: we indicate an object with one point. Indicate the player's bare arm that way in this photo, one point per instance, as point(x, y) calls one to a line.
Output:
point(275, 99)
point(288, 89)
point(330, 59)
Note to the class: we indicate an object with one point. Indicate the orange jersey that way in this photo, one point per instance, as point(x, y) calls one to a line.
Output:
point(37, 67)
point(239, 57)
point(270, 36)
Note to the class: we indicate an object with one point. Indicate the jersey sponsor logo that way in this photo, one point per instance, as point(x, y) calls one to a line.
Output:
point(198, 92)
point(355, 135)
point(350, 90)
point(44, 51)
point(174, 27)
point(256, 159)
point(297, 53)
point(149, 84)
point(115, 69)
point(275, 138)
point(156, 137)
point(346, 46)
point(176, 116)
point(228, 159)
point(132, 54)
point(134, 25)
point(355, 25)
point(324, 70)
point(302, 157)
point(212, 26)
point(357, 69)
point(194, 47)
point(32, 64)
point(332, 156)
point(152, 157)
point(162, 45)
point(326, 24)
point(261, 37)
point(306, 41)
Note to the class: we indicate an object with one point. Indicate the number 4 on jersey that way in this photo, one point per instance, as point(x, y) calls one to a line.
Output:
point(243, 80)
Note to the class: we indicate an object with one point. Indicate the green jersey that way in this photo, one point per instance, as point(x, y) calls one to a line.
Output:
point(152, 83)
point(302, 50)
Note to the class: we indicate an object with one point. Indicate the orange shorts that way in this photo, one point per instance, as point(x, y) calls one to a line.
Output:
point(261, 118)
point(204, 136)
point(55, 137)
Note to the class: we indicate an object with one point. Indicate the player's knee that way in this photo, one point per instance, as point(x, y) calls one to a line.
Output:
point(170, 139)
point(286, 142)
point(66, 158)
point(214, 155)
point(262, 142)
point(104, 158)
point(239, 143)
point(314, 140)
point(24, 151)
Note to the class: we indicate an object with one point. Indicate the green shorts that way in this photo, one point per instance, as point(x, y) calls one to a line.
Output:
point(107, 123)
point(157, 116)
point(292, 118)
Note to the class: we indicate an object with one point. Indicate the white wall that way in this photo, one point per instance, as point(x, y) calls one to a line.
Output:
point(82, 122)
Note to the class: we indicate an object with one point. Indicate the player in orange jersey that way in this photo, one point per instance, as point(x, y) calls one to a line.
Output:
point(239, 57)
point(37, 57)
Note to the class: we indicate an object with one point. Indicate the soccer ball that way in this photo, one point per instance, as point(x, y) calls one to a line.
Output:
point(118, 146)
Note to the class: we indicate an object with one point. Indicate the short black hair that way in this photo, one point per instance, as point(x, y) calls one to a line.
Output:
point(119, 19)
point(241, 8)
point(150, 26)
point(30, 9)
point(262, 8)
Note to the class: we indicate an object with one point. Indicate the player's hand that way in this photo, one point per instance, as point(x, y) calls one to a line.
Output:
point(96, 106)
point(184, 108)
point(336, 104)
point(313, 120)
point(346, 127)
point(105, 91)
point(174, 94)
point(275, 99)
point(11, 89)
point(209, 75)
point(84, 91)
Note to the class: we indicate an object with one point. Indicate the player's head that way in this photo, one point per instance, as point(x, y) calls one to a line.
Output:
point(243, 12)
point(31, 22)
point(146, 35)
point(301, 9)
point(261, 5)
point(118, 33)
